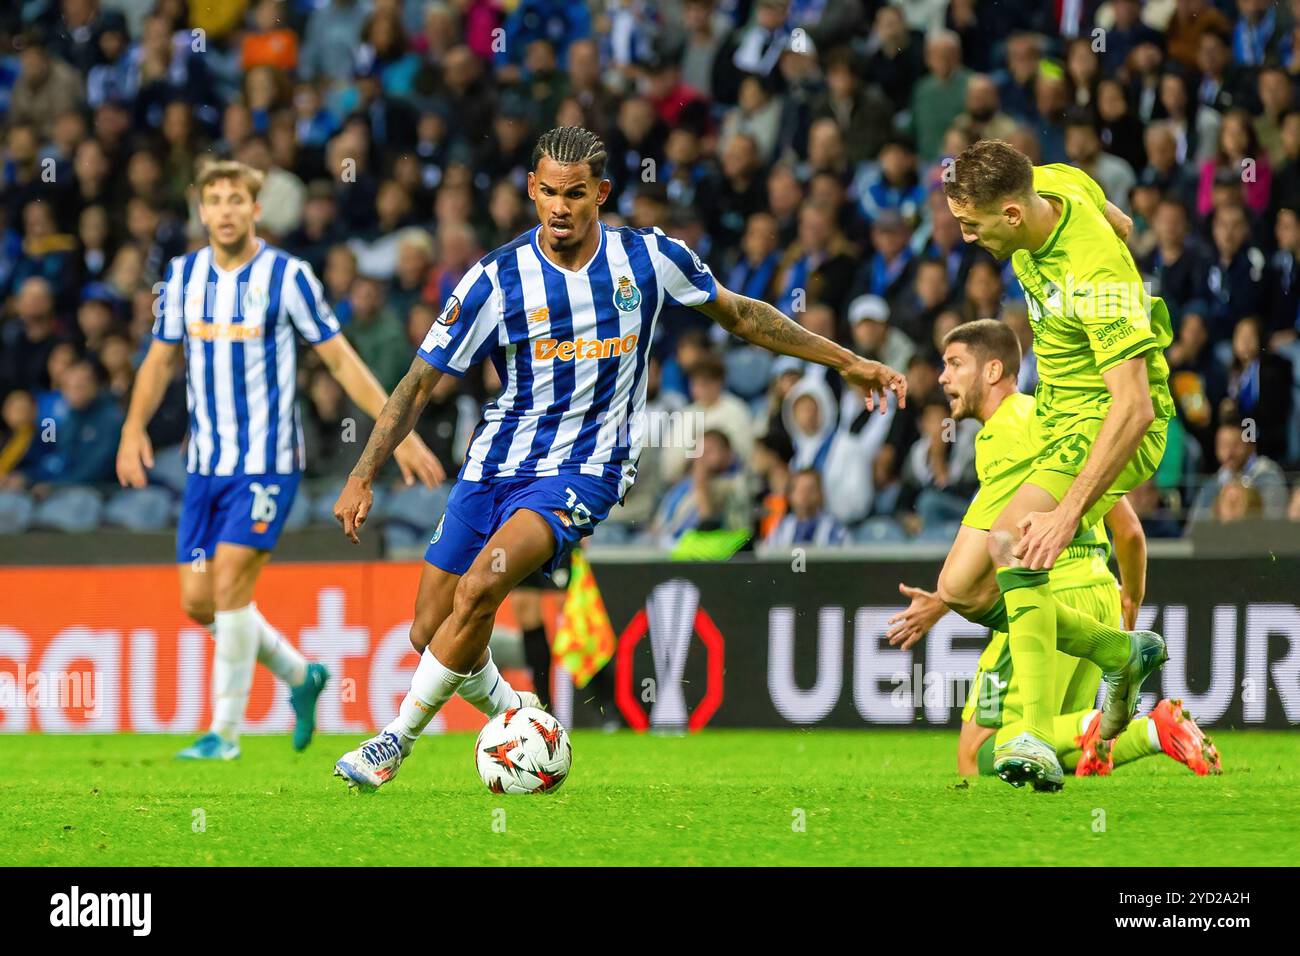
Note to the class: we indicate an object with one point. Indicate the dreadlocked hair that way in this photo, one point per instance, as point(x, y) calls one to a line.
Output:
point(572, 144)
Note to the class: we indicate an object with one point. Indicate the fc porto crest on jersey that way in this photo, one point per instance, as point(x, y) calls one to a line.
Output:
point(627, 296)
point(255, 300)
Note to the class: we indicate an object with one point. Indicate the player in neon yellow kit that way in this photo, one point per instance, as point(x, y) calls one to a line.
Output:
point(1103, 407)
point(981, 362)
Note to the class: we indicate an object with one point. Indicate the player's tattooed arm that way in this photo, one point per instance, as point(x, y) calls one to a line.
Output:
point(765, 325)
point(392, 429)
point(397, 418)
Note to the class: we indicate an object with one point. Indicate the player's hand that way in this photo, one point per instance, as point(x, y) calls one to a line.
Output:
point(871, 377)
point(1129, 605)
point(1043, 536)
point(353, 506)
point(418, 463)
point(134, 455)
point(910, 625)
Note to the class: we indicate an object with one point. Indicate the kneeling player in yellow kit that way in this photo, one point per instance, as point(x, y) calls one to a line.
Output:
point(981, 365)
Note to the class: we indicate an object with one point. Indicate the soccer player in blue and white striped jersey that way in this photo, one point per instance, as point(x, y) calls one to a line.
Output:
point(566, 312)
point(234, 311)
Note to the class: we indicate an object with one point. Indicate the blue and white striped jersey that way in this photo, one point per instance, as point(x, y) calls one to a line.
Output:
point(240, 356)
point(571, 348)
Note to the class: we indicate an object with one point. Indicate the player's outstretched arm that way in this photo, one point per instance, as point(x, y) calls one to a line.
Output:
point(134, 450)
point(413, 456)
point(764, 324)
point(393, 425)
point(1131, 554)
point(1046, 533)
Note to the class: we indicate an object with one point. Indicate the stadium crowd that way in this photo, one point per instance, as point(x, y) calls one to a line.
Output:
point(797, 145)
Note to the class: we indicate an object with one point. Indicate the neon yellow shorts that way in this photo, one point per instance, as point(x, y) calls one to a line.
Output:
point(1065, 428)
point(994, 697)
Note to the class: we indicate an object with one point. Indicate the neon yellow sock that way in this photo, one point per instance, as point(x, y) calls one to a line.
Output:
point(1137, 740)
point(1082, 635)
point(1031, 620)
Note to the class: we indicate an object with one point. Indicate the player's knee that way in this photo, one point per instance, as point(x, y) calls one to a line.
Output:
point(200, 610)
point(477, 595)
point(421, 634)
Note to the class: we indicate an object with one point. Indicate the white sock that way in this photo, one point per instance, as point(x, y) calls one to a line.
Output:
point(232, 669)
point(431, 687)
point(277, 654)
point(1153, 735)
point(487, 690)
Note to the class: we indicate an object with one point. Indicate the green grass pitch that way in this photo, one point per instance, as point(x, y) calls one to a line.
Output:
point(721, 797)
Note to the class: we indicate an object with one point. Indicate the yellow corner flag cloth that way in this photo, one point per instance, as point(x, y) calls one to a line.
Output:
point(585, 640)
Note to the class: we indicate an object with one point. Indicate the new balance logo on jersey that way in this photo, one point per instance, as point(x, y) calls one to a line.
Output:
point(264, 507)
point(544, 350)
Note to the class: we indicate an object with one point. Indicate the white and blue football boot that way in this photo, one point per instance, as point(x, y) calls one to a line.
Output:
point(372, 764)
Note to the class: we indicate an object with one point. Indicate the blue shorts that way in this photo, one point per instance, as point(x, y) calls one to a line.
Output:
point(239, 509)
point(571, 504)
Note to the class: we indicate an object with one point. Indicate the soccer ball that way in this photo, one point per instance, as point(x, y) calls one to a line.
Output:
point(523, 750)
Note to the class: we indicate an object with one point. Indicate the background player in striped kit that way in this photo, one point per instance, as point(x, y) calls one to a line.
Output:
point(566, 311)
point(232, 307)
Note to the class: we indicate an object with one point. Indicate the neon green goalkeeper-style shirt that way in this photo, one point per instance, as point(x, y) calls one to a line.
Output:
point(1088, 306)
point(1004, 457)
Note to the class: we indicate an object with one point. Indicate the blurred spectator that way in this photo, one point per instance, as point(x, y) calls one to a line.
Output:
point(1191, 20)
point(331, 450)
point(85, 445)
point(873, 336)
point(1240, 156)
point(46, 87)
point(714, 494)
point(377, 333)
point(757, 114)
point(1260, 383)
point(1195, 126)
point(755, 271)
point(940, 96)
point(27, 340)
point(983, 117)
point(269, 42)
point(1016, 84)
point(1284, 281)
point(939, 471)
point(1239, 462)
point(895, 55)
point(1177, 267)
point(751, 50)
point(1237, 501)
point(888, 271)
point(1236, 272)
point(863, 112)
point(711, 408)
point(771, 467)
point(1119, 129)
point(1083, 148)
point(1156, 521)
point(1276, 100)
point(17, 433)
point(331, 38)
point(818, 268)
point(807, 521)
point(891, 184)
